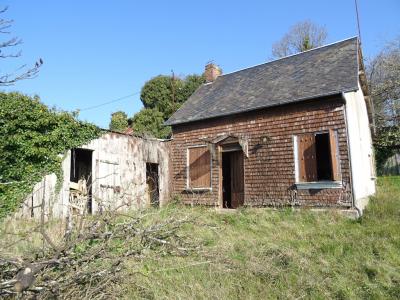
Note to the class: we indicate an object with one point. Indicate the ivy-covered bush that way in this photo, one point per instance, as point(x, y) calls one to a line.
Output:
point(32, 137)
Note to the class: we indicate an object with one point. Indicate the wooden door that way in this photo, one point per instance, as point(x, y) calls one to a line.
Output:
point(237, 179)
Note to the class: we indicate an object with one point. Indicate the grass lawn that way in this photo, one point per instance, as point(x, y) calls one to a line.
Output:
point(270, 254)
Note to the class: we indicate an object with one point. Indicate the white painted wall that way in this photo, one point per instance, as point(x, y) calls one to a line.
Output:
point(361, 151)
point(117, 160)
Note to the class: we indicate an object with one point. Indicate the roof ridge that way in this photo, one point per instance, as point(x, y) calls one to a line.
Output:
point(277, 82)
point(288, 56)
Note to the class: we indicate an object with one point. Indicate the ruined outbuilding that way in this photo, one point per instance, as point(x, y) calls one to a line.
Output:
point(114, 171)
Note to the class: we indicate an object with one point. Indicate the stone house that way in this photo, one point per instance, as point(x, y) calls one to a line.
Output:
point(293, 131)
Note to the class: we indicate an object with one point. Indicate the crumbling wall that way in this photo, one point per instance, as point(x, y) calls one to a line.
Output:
point(118, 177)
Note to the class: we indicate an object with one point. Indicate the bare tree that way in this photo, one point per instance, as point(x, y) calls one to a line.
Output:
point(302, 36)
point(383, 73)
point(384, 83)
point(7, 51)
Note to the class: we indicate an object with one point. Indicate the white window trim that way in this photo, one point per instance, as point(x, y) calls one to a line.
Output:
point(318, 185)
point(296, 159)
point(325, 184)
point(188, 188)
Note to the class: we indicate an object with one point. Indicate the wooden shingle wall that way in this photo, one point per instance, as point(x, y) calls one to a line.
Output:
point(269, 170)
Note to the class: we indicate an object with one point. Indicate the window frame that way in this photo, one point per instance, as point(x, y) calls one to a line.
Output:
point(320, 184)
point(188, 187)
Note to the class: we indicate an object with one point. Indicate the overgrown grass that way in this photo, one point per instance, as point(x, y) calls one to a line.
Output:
point(284, 254)
point(21, 238)
point(273, 254)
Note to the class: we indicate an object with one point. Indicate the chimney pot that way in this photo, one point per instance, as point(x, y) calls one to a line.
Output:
point(212, 71)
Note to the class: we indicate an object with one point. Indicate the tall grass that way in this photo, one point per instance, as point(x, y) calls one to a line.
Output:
point(284, 254)
point(270, 254)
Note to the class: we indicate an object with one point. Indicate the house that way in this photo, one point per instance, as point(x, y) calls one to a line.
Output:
point(290, 132)
point(115, 171)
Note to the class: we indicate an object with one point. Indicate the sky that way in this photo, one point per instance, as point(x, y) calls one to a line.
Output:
point(99, 51)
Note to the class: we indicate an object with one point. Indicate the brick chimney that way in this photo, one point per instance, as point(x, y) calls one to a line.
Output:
point(212, 71)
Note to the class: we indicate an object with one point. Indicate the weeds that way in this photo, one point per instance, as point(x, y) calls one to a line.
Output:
point(256, 253)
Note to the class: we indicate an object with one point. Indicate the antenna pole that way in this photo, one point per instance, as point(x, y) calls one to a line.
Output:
point(358, 21)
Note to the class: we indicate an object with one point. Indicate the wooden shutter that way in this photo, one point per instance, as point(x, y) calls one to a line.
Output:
point(307, 158)
point(199, 167)
point(334, 155)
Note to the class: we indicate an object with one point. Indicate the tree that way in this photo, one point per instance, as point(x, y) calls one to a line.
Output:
point(162, 93)
point(302, 36)
point(23, 72)
point(161, 97)
point(167, 93)
point(150, 122)
point(119, 121)
point(384, 83)
point(191, 83)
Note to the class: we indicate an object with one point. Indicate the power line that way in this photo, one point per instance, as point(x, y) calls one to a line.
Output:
point(109, 102)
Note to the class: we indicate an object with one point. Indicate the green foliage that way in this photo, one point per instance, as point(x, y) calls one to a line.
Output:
point(306, 44)
point(167, 93)
point(119, 121)
point(162, 93)
point(386, 143)
point(161, 97)
point(149, 122)
point(191, 83)
point(33, 137)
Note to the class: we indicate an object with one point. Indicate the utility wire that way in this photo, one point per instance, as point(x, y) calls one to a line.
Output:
point(109, 102)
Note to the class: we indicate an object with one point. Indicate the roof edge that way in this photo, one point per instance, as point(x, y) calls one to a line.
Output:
point(285, 102)
point(106, 131)
point(291, 55)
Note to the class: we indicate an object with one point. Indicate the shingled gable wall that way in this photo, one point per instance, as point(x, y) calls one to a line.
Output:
point(269, 170)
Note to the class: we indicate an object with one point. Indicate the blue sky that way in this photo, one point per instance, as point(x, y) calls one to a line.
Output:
point(97, 51)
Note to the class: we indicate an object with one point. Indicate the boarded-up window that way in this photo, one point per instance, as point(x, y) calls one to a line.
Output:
point(199, 164)
point(318, 158)
point(109, 175)
point(109, 180)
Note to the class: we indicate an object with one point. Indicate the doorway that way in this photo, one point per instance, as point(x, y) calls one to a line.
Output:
point(232, 179)
point(81, 174)
point(153, 184)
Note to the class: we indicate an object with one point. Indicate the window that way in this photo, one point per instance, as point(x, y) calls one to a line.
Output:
point(199, 168)
point(317, 155)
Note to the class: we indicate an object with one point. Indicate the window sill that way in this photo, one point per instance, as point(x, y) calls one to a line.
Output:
point(319, 185)
point(198, 190)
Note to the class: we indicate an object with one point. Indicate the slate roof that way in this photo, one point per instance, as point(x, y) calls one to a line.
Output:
point(322, 71)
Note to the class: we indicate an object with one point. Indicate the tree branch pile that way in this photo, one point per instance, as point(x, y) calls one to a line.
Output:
point(90, 258)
